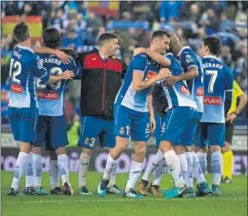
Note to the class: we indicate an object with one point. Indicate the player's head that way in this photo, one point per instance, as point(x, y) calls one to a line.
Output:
point(108, 42)
point(51, 37)
point(160, 41)
point(21, 32)
point(211, 46)
point(175, 44)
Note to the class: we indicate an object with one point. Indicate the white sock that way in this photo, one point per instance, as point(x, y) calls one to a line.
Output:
point(189, 177)
point(183, 164)
point(159, 172)
point(197, 171)
point(21, 165)
point(152, 164)
point(174, 167)
point(37, 169)
point(134, 174)
point(54, 173)
point(216, 166)
point(63, 165)
point(110, 165)
point(83, 169)
point(202, 157)
point(29, 174)
point(112, 177)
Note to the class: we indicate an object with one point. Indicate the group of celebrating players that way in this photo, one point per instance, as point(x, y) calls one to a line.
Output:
point(167, 90)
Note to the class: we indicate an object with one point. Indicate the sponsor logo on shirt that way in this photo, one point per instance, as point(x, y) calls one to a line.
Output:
point(184, 90)
point(47, 95)
point(16, 88)
point(200, 91)
point(150, 74)
point(216, 101)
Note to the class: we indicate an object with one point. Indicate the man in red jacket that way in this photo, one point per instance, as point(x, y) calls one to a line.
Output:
point(100, 82)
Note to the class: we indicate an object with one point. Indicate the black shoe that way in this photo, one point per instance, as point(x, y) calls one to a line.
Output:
point(56, 191)
point(84, 191)
point(29, 191)
point(12, 192)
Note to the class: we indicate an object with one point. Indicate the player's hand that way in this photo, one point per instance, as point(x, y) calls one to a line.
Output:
point(69, 51)
point(62, 56)
point(152, 124)
point(139, 50)
point(164, 73)
point(170, 81)
point(67, 75)
point(231, 117)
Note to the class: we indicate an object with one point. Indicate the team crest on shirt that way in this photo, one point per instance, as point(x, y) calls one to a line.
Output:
point(40, 64)
point(86, 141)
point(189, 58)
point(122, 130)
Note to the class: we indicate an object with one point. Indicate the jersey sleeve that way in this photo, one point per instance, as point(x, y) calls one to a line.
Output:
point(38, 70)
point(187, 60)
point(237, 91)
point(76, 68)
point(139, 63)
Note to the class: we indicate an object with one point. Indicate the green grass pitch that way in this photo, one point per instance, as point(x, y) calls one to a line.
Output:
point(233, 202)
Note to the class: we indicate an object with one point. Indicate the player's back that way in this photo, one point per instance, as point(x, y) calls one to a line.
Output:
point(51, 96)
point(25, 66)
point(189, 58)
point(127, 96)
point(178, 94)
point(217, 79)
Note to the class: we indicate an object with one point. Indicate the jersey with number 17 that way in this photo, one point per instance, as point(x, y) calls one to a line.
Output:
point(51, 96)
point(25, 68)
point(218, 79)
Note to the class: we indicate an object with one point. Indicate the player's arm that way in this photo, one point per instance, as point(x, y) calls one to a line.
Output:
point(40, 72)
point(191, 70)
point(151, 112)
point(241, 105)
point(61, 55)
point(162, 60)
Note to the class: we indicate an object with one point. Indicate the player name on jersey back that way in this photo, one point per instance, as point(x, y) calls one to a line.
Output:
point(217, 79)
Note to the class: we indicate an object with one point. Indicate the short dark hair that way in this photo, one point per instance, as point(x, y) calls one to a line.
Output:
point(51, 37)
point(21, 32)
point(105, 37)
point(213, 43)
point(159, 34)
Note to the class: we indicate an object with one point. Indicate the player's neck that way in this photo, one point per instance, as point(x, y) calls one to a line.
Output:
point(177, 49)
point(103, 54)
point(25, 43)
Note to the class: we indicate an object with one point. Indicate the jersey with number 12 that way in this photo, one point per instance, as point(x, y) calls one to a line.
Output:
point(51, 97)
point(25, 68)
point(218, 78)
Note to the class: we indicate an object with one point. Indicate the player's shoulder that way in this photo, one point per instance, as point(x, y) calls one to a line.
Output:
point(140, 57)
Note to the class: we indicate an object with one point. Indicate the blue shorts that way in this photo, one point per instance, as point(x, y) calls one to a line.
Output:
point(211, 134)
point(177, 121)
point(92, 128)
point(190, 133)
point(129, 122)
point(160, 127)
point(22, 121)
point(51, 132)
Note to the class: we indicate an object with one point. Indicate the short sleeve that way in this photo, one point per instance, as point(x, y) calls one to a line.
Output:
point(36, 67)
point(139, 63)
point(187, 60)
point(236, 89)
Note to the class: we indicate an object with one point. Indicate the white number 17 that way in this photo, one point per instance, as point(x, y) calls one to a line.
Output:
point(213, 74)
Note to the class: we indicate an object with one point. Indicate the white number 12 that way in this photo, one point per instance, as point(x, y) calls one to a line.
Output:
point(18, 68)
point(214, 74)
